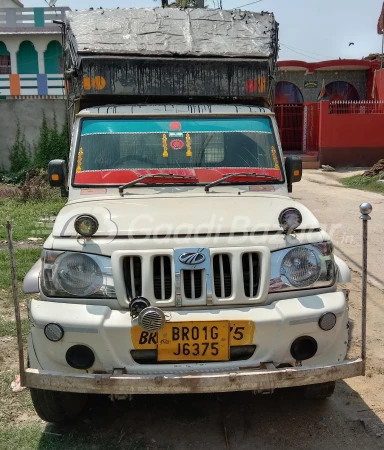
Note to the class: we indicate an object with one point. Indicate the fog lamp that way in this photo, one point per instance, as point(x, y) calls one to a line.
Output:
point(327, 321)
point(86, 225)
point(137, 305)
point(290, 219)
point(53, 332)
point(303, 348)
point(80, 357)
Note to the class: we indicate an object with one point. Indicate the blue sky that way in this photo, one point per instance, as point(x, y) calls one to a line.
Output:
point(310, 30)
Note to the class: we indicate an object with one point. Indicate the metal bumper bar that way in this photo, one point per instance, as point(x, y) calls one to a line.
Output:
point(242, 380)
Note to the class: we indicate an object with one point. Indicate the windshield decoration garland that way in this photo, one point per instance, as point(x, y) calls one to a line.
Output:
point(165, 146)
point(274, 156)
point(189, 146)
point(79, 160)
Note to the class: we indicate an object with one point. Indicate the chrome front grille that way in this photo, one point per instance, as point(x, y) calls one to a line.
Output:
point(222, 276)
point(162, 277)
point(193, 283)
point(251, 275)
point(217, 276)
point(133, 276)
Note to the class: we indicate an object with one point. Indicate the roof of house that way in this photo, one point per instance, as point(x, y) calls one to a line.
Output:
point(338, 64)
point(18, 3)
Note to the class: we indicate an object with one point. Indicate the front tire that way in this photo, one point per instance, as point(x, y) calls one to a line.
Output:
point(57, 407)
point(319, 391)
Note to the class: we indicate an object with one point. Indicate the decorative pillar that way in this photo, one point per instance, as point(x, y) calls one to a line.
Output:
point(13, 48)
point(40, 48)
point(41, 61)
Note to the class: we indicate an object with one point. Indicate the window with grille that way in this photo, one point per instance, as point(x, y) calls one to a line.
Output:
point(5, 64)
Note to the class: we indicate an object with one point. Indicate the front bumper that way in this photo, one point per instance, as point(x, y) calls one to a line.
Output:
point(265, 379)
point(108, 333)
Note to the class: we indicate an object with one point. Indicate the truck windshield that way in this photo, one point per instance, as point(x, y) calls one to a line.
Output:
point(117, 151)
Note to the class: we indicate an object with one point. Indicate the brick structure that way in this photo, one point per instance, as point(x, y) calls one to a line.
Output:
point(309, 77)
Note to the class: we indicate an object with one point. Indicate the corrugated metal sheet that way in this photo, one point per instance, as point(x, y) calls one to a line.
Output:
point(174, 32)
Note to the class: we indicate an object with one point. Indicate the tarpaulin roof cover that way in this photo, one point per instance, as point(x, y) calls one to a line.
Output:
point(174, 32)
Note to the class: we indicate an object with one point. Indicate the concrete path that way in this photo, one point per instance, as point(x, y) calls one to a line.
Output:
point(337, 209)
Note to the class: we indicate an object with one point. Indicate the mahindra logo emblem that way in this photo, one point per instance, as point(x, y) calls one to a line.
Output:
point(192, 259)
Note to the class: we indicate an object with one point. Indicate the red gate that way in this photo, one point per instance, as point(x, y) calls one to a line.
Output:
point(311, 127)
point(290, 121)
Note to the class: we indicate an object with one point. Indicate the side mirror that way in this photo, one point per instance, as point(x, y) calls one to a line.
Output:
point(294, 170)
point(57, 175)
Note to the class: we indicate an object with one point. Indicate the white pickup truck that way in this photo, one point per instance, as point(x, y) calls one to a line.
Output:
point(180, 264)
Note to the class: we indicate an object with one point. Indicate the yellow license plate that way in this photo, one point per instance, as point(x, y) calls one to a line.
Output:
point(194, 341)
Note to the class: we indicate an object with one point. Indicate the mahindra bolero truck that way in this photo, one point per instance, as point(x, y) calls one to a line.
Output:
point(180, 263)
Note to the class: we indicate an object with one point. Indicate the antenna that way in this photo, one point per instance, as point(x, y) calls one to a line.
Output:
point(51, 3)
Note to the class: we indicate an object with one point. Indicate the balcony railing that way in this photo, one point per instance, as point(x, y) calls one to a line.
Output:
point(37, 20)
point(357, 107)
point(32, 86)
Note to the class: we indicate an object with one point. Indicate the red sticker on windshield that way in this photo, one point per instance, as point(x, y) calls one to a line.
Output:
point(175, 126)
point(177, 144)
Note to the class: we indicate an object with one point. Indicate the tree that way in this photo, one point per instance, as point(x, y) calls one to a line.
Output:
point(19, 156)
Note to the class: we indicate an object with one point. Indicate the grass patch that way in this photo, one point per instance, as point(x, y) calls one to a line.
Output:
point(8, 328)
point(363, 183)
point(13, 405)
point(25, 259)
point(25, 217)
point(36, 437)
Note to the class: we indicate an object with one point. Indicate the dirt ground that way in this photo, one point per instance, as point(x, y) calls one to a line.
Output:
point(352, 418)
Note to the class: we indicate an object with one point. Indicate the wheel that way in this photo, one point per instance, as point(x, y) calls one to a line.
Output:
point(319, 391)
point(57, 407)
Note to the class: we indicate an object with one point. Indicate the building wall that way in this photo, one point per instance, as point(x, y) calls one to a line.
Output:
point(350, 139)
point(29, 113)
point(380, 84)
point(358, 78)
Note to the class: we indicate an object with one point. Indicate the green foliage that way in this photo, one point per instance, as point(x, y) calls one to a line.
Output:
point(14, 177)
point(42, 148)
point(20, 155)
point(52, 143)
point(364, 183)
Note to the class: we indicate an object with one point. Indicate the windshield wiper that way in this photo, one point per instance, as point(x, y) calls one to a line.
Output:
point(170, 176)
point(239, 175)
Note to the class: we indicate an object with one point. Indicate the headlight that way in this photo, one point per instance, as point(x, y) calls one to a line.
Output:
point(302, 267)
point(70, 274)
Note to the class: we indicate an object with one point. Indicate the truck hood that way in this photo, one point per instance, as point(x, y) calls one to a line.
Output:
point(182, 216)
